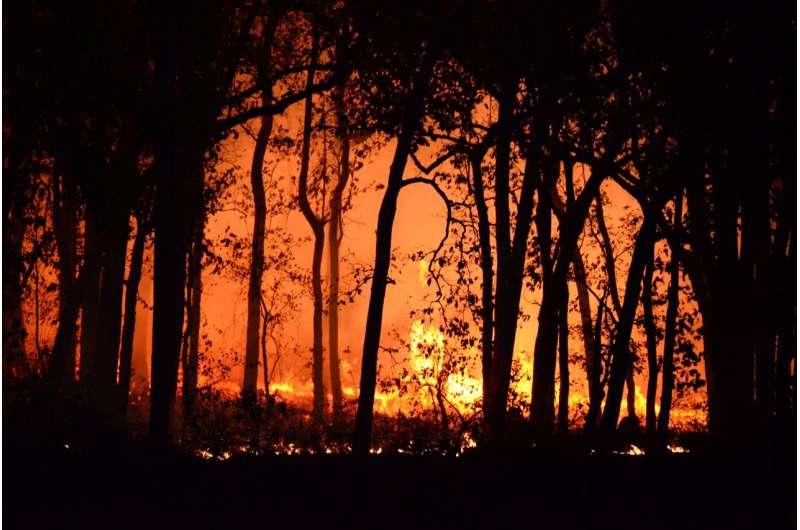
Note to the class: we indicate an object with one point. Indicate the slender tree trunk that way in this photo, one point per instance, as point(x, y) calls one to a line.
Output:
point(192, 338)
point(621, 359)
point(142, 339)
point(487, 273)
point(563, 366)
point(129, 322)
point(652, 354)
point(670, 330)
point(334, 242)
point(611, 275)
point(318, 228)
point(553, 292)
point(596, 389)
point(414, 112)
point(587, 333)
point(256, 259)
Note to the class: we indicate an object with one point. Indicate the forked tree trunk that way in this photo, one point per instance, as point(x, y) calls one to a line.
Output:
point(570, 228)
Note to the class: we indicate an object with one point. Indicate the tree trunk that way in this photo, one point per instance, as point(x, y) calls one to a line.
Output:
point(256, 260)
point(318, 228)
point(592, 376)
point(414, 112)
point(563, 367)
point(670, 330)
point(169, 260)
point(596, 391)
point(652, 354)
point(487, 272)
point(65, 227)
point(621, 359)
point(129, 322)
point(505, 321)
point(192, 338)
point(335, 230)
point(142, 338)
point(570, 228)
point(107, 336)
point(611, 275)
point(90, 302)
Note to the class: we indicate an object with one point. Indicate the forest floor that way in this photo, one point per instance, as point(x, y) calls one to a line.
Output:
point(133, 488)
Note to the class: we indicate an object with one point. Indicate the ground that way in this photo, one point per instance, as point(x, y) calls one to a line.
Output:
point(133, 488)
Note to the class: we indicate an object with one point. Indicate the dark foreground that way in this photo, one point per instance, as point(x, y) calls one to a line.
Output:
point(64, 489)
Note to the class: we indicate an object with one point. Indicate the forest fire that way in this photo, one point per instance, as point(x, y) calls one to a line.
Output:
point(370, 235)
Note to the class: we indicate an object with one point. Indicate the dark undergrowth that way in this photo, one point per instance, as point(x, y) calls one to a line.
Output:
point(265, 465)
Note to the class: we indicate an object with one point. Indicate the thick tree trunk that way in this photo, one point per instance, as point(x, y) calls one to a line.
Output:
point(596, 390)
point(256, 259)
point(414, 112)
point(104, 387)
point(90, 303)
point(169, 260)
point(65, 227)
point(335, 230)
point(621, 359)
point(129, 322)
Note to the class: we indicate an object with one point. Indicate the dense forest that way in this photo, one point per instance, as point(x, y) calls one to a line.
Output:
point(246, 227)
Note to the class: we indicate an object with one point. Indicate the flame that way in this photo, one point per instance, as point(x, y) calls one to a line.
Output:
point(424, 271)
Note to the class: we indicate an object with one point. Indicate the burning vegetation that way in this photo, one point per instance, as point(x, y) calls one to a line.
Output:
point(307, 228)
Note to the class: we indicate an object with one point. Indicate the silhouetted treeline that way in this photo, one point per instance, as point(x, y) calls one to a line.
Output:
point(114, 116)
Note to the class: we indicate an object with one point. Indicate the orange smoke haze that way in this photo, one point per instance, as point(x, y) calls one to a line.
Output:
point(419, 225)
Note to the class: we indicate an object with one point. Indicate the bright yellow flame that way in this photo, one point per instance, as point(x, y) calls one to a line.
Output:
point(424, 270)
